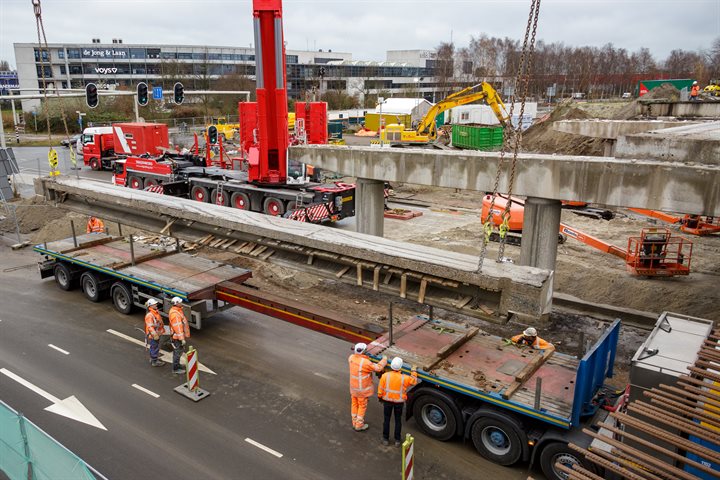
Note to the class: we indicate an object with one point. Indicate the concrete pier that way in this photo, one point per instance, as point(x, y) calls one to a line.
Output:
point(370, 206)
point(540, 233)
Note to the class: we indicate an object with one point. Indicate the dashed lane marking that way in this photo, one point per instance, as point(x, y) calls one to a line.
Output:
point(58, 349)
point(143, 389)
point(263, 447)
point(322, 375)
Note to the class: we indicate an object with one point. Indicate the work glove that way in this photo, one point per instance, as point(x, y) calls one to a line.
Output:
point(414, 368)
point(183, 342)
point(156, 337)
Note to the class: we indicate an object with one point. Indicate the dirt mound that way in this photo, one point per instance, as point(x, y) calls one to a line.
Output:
point(541, 138)
point(32, 214)
point(663, 92)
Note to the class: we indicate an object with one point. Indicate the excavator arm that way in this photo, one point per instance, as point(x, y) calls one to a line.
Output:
point(481, 91)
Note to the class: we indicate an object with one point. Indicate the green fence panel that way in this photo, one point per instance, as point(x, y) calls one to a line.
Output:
point(22, 442)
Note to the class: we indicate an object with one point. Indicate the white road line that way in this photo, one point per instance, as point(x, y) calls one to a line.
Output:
point(58, 349)
point(143, 389)
point(263, 447)
point(164, 356)
point(322, 375)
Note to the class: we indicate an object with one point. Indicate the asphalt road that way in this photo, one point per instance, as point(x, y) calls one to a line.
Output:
point(278, 385)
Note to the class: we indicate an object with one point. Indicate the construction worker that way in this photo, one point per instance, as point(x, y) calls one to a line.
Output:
point(392, 392)
point(361, 384)
point(180, 333)
point(694, 91)
point(154, 327)
point(530, 338)
point(95, 225)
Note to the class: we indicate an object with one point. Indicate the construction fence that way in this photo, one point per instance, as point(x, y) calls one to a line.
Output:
point(28, 453)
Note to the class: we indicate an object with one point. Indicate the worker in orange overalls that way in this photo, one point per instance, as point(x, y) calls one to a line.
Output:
point(180, 333)
point(694, 91)
point(361, 384)
point(154, 327)
point(530, 338)
point(392, 392)
point(95, 225)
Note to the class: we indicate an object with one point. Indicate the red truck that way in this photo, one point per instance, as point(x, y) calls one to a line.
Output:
point(103, 145)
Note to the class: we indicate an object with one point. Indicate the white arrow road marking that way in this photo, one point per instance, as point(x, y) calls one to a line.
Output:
point(58, 349)
point(143, 389)
point(70, 407)
point(165, 356)
point(263, 447)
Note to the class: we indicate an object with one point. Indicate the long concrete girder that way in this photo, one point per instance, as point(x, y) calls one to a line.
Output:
point(510, 289)
point(612, 129)
point(652, 184)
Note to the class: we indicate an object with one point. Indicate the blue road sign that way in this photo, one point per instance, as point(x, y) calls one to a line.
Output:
point(157, 93)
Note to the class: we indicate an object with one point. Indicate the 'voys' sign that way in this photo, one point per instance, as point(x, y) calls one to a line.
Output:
point(105, 70)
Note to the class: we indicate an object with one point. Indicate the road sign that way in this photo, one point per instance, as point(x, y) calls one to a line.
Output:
point(157, 93)
point(53, 161)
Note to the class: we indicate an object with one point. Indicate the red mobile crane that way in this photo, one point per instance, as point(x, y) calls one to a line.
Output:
point(265, 182)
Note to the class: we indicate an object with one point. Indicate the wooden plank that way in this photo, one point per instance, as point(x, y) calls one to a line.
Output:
point(206, 239)
point(267, 255)
point(423, 289)
point(310, 259)
point(167, 226)
point(388, 277)
point(140, 259)
point(448, 349)
point(359, 274)
point(240, 248)
point(99, 241)
point(403, 286)
point(485, 309)
point(249, 247)
point(527, 372)
point(342, 272)
point(463, 301)
point(229, 244)
point(376, 279)
point(258, 251)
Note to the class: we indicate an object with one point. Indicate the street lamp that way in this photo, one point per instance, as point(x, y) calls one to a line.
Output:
point(381, 100)
point(80, 122)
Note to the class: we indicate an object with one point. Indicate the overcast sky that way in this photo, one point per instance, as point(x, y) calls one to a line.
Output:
point(367, 28)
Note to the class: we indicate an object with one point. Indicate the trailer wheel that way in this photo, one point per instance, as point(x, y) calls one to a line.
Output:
point(63, 277)
point(91, 287)
point(557, 452)
point(273, 206)
point(496, 440)
point(219, 198)
point(122, 298)
point(240, 201)
point(435, 417)
point(136, 183)
point(94, 164)
point(199, 193)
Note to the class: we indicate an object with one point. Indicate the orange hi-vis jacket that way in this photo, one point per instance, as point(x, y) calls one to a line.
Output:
point(178, 323)
point(361, 368)
point(153, 323)
point(538, 344)
point(95, 225)
point(394, 385)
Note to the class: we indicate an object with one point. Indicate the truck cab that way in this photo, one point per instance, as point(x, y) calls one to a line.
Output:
point(98, 143)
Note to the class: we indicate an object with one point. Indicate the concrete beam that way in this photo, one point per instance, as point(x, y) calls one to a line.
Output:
point(693, 143)
point(523, 291)
point(612, 129)
point(652, 184)
point(660, 108)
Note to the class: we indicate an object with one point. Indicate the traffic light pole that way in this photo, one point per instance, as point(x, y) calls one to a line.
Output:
point(137, 111)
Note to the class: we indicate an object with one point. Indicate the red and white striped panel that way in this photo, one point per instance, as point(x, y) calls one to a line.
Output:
point(408, 451)
point(155, 189)
point(313, 213)
point(193, 378)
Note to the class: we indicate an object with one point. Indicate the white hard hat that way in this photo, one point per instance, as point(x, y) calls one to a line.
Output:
point(151, 302)
point(396, 363)
point(530, 332)
point(695, 82)
point(360, 347)
point(176, 300)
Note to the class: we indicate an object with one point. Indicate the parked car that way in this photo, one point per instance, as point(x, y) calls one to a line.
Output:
point(72, 141)
point(627, 95)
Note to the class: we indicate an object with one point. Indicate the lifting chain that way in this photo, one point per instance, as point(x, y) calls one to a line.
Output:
point(512, 140)
point(43, 47)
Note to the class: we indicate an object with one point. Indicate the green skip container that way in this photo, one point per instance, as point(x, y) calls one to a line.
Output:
point(477, 137)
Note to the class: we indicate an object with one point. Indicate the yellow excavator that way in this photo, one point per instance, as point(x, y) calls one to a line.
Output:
point(426, 131)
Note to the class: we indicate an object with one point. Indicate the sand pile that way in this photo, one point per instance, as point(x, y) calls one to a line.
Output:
point(541, 138)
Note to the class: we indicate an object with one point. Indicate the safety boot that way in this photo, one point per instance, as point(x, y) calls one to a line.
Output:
point(179, 371)
point(364, 427)
point(157, 363)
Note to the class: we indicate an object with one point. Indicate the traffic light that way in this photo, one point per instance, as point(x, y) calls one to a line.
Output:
point(91, 95)
point(179, 93)
point(212, 134)
point(142, 94)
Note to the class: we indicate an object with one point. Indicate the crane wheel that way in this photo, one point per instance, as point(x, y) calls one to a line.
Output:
point(219, 198)
point(273, 206)
point(199, 194)
point(240, 201)
point(136, 183)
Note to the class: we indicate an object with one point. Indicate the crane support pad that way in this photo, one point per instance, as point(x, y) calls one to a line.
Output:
point(306, 316)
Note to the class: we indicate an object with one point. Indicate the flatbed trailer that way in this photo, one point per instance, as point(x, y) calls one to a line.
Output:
point(514, 404)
